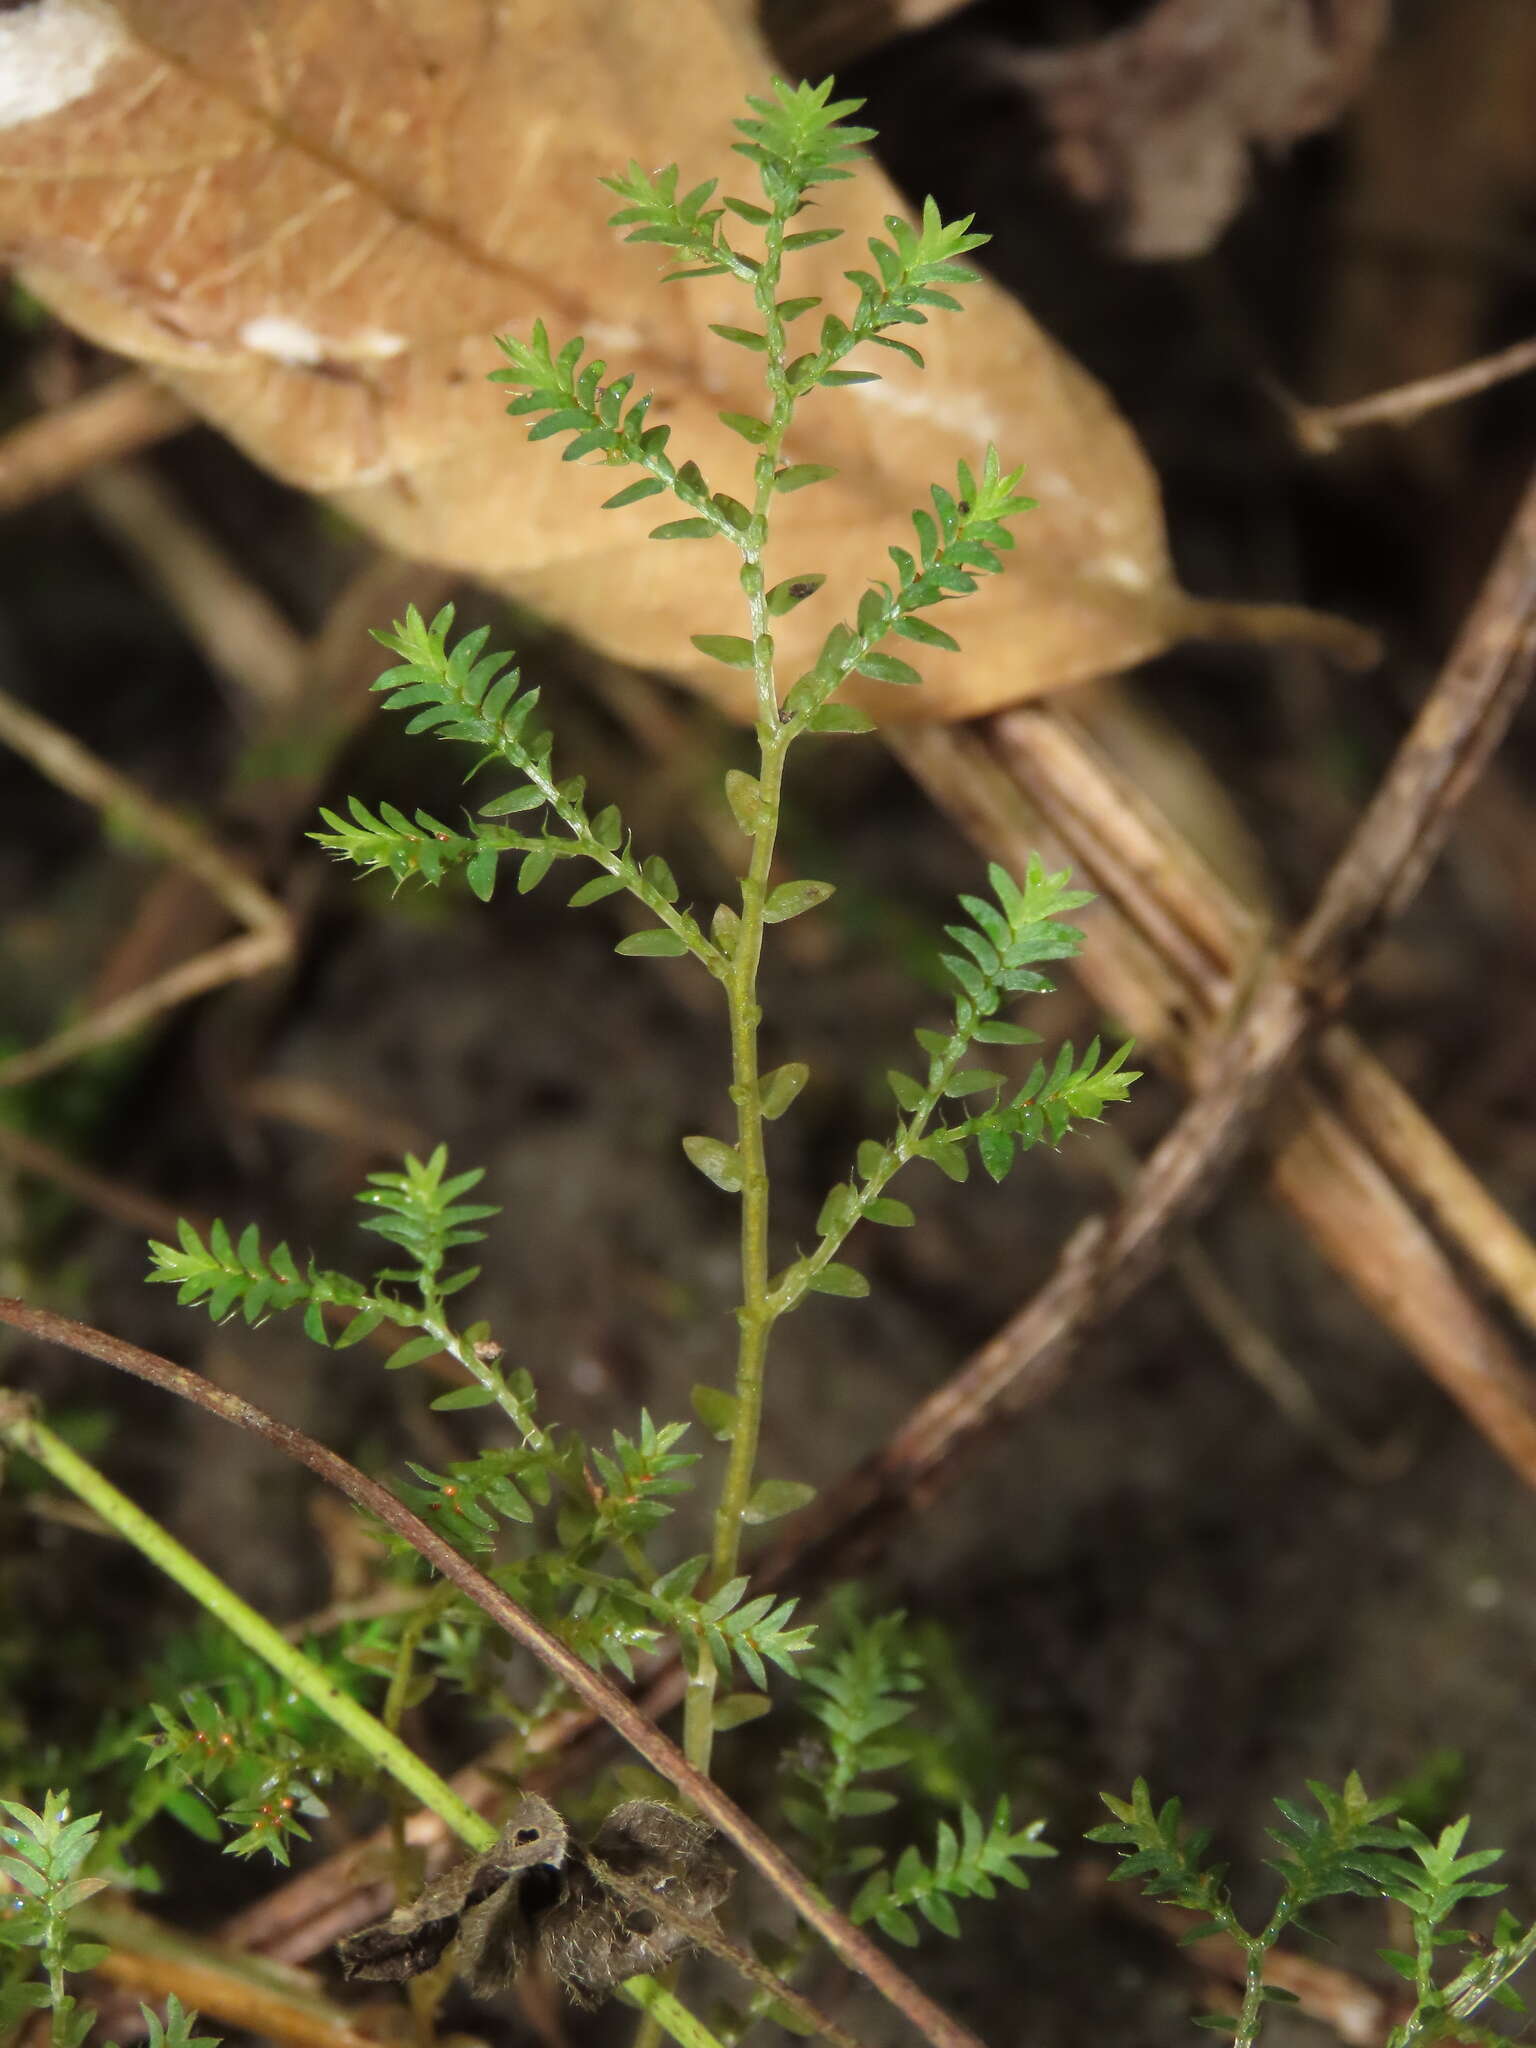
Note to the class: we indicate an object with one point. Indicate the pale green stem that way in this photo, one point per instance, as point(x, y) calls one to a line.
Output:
point(254, 1630)
point(900, 1153)
point(19, 1427)
point(755, 1317)
point(1257, 1947)
point(394, 1713)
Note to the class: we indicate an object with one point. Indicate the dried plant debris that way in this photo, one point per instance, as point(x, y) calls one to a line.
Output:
point(644, 1890)
point(1155, 124)
point(309, 221)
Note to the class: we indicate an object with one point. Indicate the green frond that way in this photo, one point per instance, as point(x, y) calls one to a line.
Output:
point(959, 541)
point(967, 1864)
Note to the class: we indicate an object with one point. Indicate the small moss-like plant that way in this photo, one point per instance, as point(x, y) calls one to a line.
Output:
point(564, 1525)
point(43, 1855)
point(1352, 1846)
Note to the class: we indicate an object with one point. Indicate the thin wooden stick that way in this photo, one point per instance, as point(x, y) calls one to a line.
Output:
point(225, 613)
point(1110, 834)
point(269, 937)
point(67, 441)
point(1108, 1258)
point(1321, 428)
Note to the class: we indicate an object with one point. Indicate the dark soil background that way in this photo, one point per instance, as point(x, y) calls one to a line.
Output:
point(1155, 1573)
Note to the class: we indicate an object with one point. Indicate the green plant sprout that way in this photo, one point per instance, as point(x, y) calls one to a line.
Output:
point(1351, 1846)
point(565, 1526)
point(42, 1855)
point(797, 140)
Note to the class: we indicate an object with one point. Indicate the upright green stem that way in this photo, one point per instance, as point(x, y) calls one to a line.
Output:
point(756, 1315)
point(1257, 1947)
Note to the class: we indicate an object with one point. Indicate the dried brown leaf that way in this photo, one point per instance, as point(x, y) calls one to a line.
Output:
point(1156, 123)
point(309, 217)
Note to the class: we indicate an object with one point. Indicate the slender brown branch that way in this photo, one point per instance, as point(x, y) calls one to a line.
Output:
point(1273, 625)
point(1151, 880)
point(1082, 814)
point(268, 937)
point(1321, 428)
point(226, 615)
point(1108, 1258)
point(1410, 1146)
point(67, 441)
point(846, 1941)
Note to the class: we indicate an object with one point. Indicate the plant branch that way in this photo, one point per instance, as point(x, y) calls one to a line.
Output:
point(67, 441)
point(1321, 428)
point(269, 935)
point(1107, 1259)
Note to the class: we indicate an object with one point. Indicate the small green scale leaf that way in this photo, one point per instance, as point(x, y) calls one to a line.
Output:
point(595, 890)
point(524, 798)
point(735, 1709)
point(743, 423)
point(656, 944)
point(799, 474)
point(772, 1498)
point(779, 1089)
point(464, 1397)
point(643, 487)
point(744, 794)
point(783, 597)
point(660, 877)
point(717, 1161)
point(847, 1281)
point(728, 648)
point(717, 1410)
point(839, 718)
point(535, 866)
point(412, 1353)
point(926, 633)
point(685, 529)
point(889, 668)
point(908, 1093)
point(972, 1081)
point(838, 1211)
point(793, 899)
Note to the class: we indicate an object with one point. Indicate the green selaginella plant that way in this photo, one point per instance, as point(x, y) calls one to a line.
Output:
point(1351, 1846)
point(43, 1857)
point(562, 1524)
point(243, 1732)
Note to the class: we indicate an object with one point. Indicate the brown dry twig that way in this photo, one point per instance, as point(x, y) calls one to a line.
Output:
point(267, 939)
point(67, 441)
point(239, 631)
point(1320, 429)
point(150, 1961)
point(1108, 1258)
point(854, 1948)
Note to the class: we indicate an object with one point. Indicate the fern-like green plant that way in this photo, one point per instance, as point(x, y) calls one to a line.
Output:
point(44, 1856)
point(1351, 1846)
point(571, 1528)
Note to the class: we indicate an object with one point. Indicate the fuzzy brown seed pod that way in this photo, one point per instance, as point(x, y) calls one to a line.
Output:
point(644, 1891)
